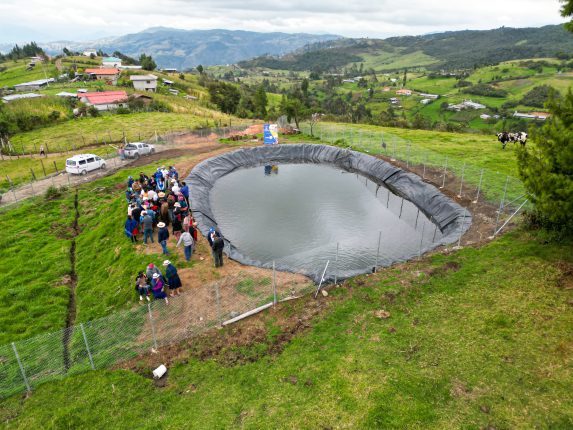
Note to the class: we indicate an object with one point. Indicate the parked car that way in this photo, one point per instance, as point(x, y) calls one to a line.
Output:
point(83, 163)
point(137, 149)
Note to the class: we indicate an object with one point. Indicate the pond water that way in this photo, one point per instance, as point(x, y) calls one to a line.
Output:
point(300, 214)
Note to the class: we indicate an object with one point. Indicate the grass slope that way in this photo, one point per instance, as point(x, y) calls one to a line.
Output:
point(473, 340)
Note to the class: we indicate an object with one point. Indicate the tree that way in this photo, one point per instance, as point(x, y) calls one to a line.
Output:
point(314, 118)
point(200, 69)
point(225, 96)
point(147, 62)
point(260, 102)
point(547, 168)
point(67, 52)
point(405, 79)
point(567, 12)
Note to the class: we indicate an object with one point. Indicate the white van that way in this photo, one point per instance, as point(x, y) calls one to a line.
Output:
point(83, 163)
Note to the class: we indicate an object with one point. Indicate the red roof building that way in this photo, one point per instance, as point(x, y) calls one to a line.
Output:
point(109, 75)
point(104, 100)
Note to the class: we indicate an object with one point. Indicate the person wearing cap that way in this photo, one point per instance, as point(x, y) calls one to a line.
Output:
point(175, 187)
point(130, 181)
point(173, 280)
point(157, 285)
point(162, 236)
point(188, 243)
point(152, 270)
point(147, 223)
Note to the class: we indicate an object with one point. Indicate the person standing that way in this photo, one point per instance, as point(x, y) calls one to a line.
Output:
point(147, 222)
point(188, 243)
point(173, 280)
point(185, 191)
point(42, 151)
point(157, 287)
point(131, 229)
point(162, 236)
point(217, 245)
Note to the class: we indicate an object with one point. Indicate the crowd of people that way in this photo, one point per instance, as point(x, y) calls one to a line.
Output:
point(155, 203)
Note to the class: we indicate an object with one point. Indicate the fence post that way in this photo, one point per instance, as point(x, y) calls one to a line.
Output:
point(218, 300)
point(504, 193)
point(43, 168)
point(336, 264)
point(377, 251)
point(422, 239)
point(408, 157)
point(32, 186)
point(152, 326)
point(56, 167)
point(463, 225)
point(479, 186)
point(33, 174)
point(445, 169)
point(87, 346)
point(21, 367)
point(274, 284)
point(462, 184)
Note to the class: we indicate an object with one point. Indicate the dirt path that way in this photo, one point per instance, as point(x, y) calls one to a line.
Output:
point(190, 146)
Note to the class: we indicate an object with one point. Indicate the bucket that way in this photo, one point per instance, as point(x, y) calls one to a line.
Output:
point(159, 372)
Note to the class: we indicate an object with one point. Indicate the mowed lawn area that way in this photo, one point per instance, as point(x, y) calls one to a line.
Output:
point(474, 339)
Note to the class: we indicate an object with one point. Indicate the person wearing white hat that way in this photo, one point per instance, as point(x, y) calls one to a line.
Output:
point(173, 280)
point(157, 287)
point(162, 236)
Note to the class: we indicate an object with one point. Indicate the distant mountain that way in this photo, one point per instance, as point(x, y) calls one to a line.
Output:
point(188, 48)
point(453, 49)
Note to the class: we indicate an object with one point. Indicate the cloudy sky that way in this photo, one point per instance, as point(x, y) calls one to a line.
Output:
point(49, 20)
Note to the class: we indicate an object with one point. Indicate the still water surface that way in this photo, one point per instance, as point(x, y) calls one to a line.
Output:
point(298, 214)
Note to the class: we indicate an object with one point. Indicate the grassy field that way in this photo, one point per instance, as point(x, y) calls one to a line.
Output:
point(36, 262)
point(473, 340)
point(16, 72)
point(87, 131)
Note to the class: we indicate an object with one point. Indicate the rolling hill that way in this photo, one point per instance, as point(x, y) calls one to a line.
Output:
point(183, 49)
point(449, 50)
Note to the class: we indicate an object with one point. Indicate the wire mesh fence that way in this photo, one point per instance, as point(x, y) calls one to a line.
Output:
point(121, 336)
point(53, 170)
point(463, 180)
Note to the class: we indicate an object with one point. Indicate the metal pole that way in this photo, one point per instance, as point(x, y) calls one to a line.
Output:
point(462, 184)
point(378, 251)
point(512, 215)
point(479, 186)
point(463, 225)
point(445, 169)
point(218, 300)
point(422, 239)
point(504, 193)
point(32, 186)
point(28, 388)
point(274, 284)
point(401, 206)
point(152, 326)
point(417, 215)
point(87, 346)
point(336, 264)
point(321, 279)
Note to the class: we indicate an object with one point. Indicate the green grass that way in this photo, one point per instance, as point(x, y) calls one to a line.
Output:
point(487, 345)
point(16, 73)
point(86, 131)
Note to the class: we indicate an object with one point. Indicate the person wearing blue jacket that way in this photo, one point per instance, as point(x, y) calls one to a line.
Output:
point(130, 229)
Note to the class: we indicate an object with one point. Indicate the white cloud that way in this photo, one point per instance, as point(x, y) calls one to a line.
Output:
point(73, 20)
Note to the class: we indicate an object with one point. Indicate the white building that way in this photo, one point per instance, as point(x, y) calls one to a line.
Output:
point(33, 85)
point(144, 82)
point(90, 52)
point(430, 96)
point(111, 62)
point(425, 101)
